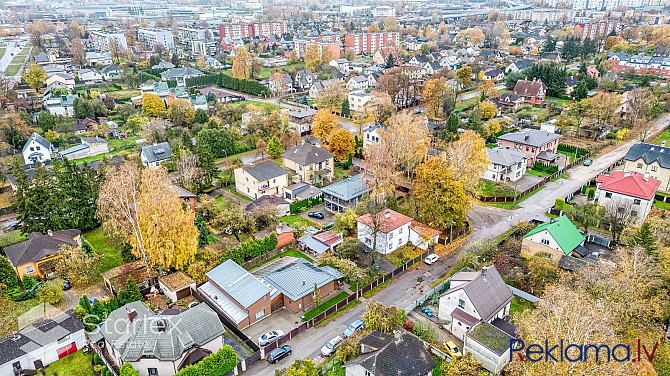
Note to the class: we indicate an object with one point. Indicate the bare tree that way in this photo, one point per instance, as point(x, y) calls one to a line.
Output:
point(188, 172)
point(619, 214)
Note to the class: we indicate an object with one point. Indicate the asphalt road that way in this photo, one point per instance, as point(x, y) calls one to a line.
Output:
point(10, 52)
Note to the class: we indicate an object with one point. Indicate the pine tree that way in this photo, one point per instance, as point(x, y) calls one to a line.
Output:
point(131, 293)
point(453, 123)
point(390, 62)
point(203, 231)
point(581, 91)
point(644, 237)
point(345, 107)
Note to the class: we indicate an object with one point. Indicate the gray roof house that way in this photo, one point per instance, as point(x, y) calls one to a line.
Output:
point(649, 153)
point(265, 170)
point(309, 162)
point(344, 193)
point(163, 343)
point(505, 164)
point(297, 278)
point(41, 343)
point(530, 137)
point(154, 155)
point(387, 355)
point(181, 74)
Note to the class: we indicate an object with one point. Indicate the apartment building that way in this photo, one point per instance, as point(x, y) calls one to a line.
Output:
point(640, 64)
point(368, 43)
point(188, 34)
point(244, 29)
point(329, 41)
point(600, 29)
point(102, 39)
point(383, 11)
point(150, 37)
point(203, 48)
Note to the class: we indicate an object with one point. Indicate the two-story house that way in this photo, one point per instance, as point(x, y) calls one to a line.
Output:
point(629, 193)
point(358, 83)
point(533, 91)
point(38, 255)
point(654, 159)
point(345, 193)
point(358, 100)
point(260, 179)
point(304, 79)
point(37, 149)
point(372, 134)
point(494, 74)
point(311, 163)
point(393, 230)
point(505, 165)
point(531, 142)
point(154, 155)
point(474, 297)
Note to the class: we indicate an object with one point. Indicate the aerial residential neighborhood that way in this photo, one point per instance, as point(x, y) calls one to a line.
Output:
point(348, 188)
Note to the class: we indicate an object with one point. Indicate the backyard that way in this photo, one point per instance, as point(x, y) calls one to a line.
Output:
point(265, 106)
point(77, 363)
point(12, 70)
point(109, 252)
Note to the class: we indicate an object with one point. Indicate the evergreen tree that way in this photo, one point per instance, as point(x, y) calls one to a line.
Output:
point(36, 203)
point(175, 60)
point(201, 116)
point(8, 277)
point(131, 293)
point(390, 62)
point(453, 123)
point(345, 107)
point(549, 45)
point(581, 91)
point(46, 121)
point(77, 191)
point(208, 165)
point(582, 70)
point(644, 237)
point(203, 231)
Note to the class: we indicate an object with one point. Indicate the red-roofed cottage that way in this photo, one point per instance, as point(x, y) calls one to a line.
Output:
point(630, 192)
point(532, 91)
point(394, 231)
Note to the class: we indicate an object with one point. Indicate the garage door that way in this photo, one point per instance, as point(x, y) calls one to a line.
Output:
point(67, 350)
point(183, 293)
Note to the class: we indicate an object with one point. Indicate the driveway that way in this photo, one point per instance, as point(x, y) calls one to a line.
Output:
point(282, 319)
point(327, 216)
point(526, 181)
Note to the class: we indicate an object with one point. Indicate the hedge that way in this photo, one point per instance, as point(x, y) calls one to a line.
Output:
point(251, 248)
point(571, 149)
point(217, 364)
point(243, 85)
point(544, 167)
point(211, 79)
point(301, 206)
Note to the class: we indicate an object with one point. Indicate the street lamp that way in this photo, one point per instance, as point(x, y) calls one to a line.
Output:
point(358, 275)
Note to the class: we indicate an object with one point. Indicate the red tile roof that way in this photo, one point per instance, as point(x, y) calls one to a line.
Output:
point(389, 220)
point(464, 317)
point(629, 183)
point(328, 237)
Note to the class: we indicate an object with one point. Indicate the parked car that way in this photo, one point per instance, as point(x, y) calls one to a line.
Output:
point(588, 162)
point(270, 337)
point(329, 348)
point(452, 349)
point(317, 215)
point(277, 354)
point(192, 304)
point(66, 285)
point(353, 328)
point(431, 259)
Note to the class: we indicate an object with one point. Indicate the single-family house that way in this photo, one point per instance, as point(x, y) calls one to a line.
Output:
point(154, 155)
point(300, 119)
point(38, 255)
point(214, 63)
point(337, 197)
point(494, 74)
point(181, 75)
point(198, 101)
point(558, 237)
point(505, 165)
point(631, 194)
point(473, 297)
point(281, 83)
point(320, 242)
point(398, 354)
point(372, 134)
point(341, 65)
point(62, 77)
point(551, 57)
point(358, 83)
point(394, 230)
point(531, 142)
point(592, 71)
point(520, 65)
point(89, 76)
point(98, 58)
point(263, 178)
point(418, 60)
point(301, 191)
point(358, 100)
point(185, 196)
point(304, 79)
point(176, 285)
point(510, 101)
point(37, 149)
point(320, 86)
point(110, 72)
point(533, 92)
point(163, 65)
point(310, 163)
point(431, 67)
point(89, 147)
point(381, 56)
point(159, 343)
point(285, 234)
point(651, 158)
point(42, 343)
point(570, 84)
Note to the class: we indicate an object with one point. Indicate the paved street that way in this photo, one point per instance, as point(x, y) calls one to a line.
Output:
point(473, 94)
point(11, 51)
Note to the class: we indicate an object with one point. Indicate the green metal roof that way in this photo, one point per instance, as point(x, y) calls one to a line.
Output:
point(563, 231)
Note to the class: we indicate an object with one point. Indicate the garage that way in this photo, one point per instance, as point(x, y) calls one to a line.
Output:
point(66, 350)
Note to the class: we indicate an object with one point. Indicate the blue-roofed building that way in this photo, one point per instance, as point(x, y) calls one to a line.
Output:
point(345, 193)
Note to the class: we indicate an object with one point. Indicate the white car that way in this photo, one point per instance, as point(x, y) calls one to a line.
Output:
point(329, 348)
point(270, 337)
point(431, 259)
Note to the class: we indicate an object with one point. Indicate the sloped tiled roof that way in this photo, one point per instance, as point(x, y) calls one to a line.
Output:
point(529, 88)
point(307, 154)
point(264, 170)
point(505, 157)
point(563, 231)
point(392, 359)
point(39, 139)
point(649, 154)
point(158, 152)
point(629, 184)
point(389, 220)
point(297, 279)
point(39, 246)
point(487, 292)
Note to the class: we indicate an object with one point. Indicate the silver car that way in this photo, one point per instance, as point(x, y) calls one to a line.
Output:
point(329, 348)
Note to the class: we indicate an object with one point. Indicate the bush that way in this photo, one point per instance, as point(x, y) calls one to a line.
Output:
point(28, 282)
point(545, 167)
point(251, 248)
point(591, 192)
point(559, 204)
point(425, 331)
point(301, 206)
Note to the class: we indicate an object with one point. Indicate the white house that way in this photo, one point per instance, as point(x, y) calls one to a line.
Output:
point(358, 83)
point(371, 134)
point(394, 230)
point(505, 165)
point(342, 65)
point(474, 297)
point(88, 75)
point(42, 343)
point(63, 105)
point(154, 155)
point(629, 192)
point(37, 149)
point(358, 100)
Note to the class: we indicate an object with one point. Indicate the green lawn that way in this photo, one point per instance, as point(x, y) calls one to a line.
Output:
point(662, 205)
point(110, 252)
point(232, 190)
point(296, 220)
point(11, 310)
point(665, 136)
point(519, 306)
point(19, 59)
point(558, 101)
point(512, 205)
point(12, 70)
point(2, 51)
point(463, 104)
point(126, 93)
point(74, 364)
point(487, 188)
point(115, 143)
point(11, 237)
point(266, 106)
point(537, 173)
point(291, 252)
point(379, 287)
point(97, 157)
point(325, 305)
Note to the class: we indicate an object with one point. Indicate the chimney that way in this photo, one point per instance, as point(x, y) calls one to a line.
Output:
point(646, 176)
point(160, 324)
point(387, 214)
point(484, 271)
point(131, 314)
point(304, 282)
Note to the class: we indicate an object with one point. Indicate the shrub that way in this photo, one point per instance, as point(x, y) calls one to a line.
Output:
point(301, 206)
point(544, 167)
point(591, 192)
point(560, 203)
point(425, 331)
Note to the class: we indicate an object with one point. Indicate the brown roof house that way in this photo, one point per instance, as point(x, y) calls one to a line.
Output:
point(38, 255)
point(533, 91)
point(394, 231)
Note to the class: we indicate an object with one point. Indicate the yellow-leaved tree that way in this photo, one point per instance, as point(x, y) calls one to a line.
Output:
point(323, 123)
point(241, 63)
point(312, 56)
point(152, 105)
point(141, 206)
point(441, 197)
point(433, 94)
point(408, 140)
point(468, 158)
point(488, 109)
point(341, 143)
point(181, 112)
point(35, 76)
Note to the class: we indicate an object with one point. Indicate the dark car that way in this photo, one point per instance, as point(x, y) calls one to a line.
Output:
point(316, 215)
point(588, 162)
point(66, 285)
point(277, 354)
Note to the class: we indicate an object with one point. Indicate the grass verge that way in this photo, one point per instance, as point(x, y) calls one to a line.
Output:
point(12, 70)
point(110, 254)
point(325, 305)
point(520, 305)
point(379, 287)
point(339, 313)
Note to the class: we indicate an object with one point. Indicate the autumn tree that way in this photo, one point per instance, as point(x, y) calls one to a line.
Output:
point(241, 63)
point(381, 170)
point(275, 148)
point(181, 112)
point(442, 198)
point(302, 368)
point(142, 208)
point(408, 140)
point(639, 101)
point(602, 110)
point(188, 172)
point(13, 130)
point(35, 76)
point(464, 75)
point(433, 93)
point(470, 37)
point(80, 266)
point(78, 52)
point(152, 105)
point(468, 158)
point(382, 318)
point(488, 109)
point(312, 56)
point(332, 96)
point(323, 123)
point(488, 89)
point(380, 107)
point(341, 143)
point(388, 83)
point(463, 366)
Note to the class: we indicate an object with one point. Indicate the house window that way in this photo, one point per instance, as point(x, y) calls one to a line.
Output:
point(633, 213)
point(390, 245)
point(30, 269)
point(461, 303)
point(32, 148)
point(639, 165)
point(654, 168)
point(636, 201)
point(260, 314)
point(544, 241)
point(247, 179)
point(152, 371)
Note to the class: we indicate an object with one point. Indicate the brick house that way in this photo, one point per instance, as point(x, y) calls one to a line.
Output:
point(533, 92)
point(532, 143)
